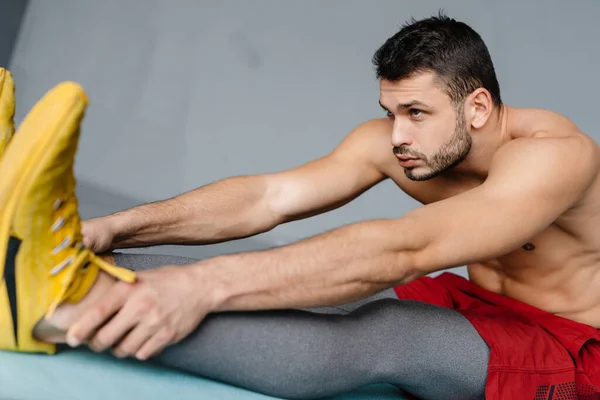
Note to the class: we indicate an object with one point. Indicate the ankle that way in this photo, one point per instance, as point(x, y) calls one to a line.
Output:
point(53, 329)
point(67, 313)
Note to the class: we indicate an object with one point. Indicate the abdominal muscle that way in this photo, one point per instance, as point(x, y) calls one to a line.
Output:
point(571, 292)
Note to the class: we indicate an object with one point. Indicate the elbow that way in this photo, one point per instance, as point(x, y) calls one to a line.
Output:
point(399, 269)
point(403, 257)
point(417, 252)
point(261, 218)
point(415, 262)
point(259, 215)
point(411, 266)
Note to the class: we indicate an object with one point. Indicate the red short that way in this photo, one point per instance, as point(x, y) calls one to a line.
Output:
point(534, 355)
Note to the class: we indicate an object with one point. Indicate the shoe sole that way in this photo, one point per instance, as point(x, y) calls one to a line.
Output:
point(53, 117)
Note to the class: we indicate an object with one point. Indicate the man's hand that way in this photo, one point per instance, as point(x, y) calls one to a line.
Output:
point(140, 320)
point(98, 235)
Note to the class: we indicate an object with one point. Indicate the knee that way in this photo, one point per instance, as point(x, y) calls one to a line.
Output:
point(415, 344)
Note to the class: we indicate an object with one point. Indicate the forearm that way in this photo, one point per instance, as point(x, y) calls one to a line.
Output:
point(229, 209)
point(337, 267)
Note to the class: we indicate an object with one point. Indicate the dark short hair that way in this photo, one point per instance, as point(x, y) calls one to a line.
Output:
point(449, 48)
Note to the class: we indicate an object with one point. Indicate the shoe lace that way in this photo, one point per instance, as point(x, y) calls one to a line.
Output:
point(66, 219)
point(69, 249)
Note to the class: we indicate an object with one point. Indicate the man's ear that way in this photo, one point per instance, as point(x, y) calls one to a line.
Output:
point(478, 108)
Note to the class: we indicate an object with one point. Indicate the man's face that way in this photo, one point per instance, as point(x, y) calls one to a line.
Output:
point(429, 135)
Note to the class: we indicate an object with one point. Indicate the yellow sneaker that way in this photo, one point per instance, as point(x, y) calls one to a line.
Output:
point(42, 260)
point(7, 108)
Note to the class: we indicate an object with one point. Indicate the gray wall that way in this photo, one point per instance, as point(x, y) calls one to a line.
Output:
point(11, 15)
point(184, 93)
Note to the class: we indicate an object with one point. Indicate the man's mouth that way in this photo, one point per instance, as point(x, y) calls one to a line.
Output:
point(406, 158)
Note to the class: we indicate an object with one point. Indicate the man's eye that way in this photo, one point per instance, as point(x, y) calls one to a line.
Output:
point(389, 114)
point(416, 113)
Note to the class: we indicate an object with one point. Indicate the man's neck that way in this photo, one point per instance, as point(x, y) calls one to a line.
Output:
point(486, 141)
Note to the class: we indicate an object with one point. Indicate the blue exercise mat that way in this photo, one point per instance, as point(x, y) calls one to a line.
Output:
point(79, 374)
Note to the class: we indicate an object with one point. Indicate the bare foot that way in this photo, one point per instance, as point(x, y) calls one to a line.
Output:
point(53, 330)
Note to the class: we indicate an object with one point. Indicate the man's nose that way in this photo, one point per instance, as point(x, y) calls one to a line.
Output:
point(401, 135)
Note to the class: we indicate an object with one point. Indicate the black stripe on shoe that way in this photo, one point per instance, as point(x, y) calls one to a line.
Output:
point(10, 279)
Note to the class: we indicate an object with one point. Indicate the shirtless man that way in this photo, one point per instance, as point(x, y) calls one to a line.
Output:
point(512, 193)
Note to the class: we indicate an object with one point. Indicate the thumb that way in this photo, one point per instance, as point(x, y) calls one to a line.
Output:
point(88, 242)
point(88, 236)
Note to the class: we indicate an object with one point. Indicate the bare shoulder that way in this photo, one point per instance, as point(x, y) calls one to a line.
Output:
point(568, 150)
point(536, 122)
point(369, 142)
point(370, 133)
point(544, 131)
point(557, 159)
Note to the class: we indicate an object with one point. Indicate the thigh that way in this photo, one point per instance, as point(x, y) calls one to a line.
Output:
point(429, 351)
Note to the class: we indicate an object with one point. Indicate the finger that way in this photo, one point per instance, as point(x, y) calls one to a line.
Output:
point(156, 344)
point(98, 314)
point(86, 232)
point(134, 340)
point(114, 330)
point(126, 320)
point(139, 309)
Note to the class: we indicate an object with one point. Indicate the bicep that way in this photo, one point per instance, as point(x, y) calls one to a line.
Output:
point(474, 227)
point(330, 181)
point(318, 186)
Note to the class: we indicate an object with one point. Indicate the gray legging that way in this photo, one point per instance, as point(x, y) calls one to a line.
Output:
point(428, 351)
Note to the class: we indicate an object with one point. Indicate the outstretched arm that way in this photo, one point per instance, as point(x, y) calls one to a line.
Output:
point(243, 206)
point(529, 185)
point(531, 182)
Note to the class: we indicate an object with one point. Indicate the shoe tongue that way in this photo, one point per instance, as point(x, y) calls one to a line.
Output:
point(7, 109)
point(7, 97)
